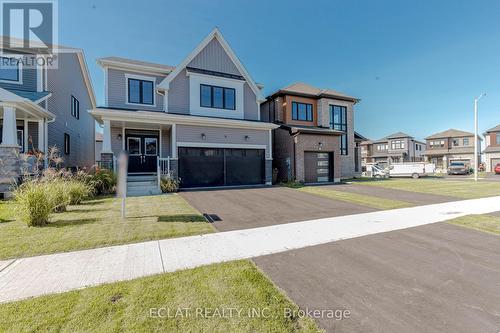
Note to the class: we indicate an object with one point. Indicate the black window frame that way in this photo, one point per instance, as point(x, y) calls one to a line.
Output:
point(75, 107)
point(398, 144)
point(212, 104)
point(340, 126)
point(309, 111)
point(18, 70)
point(67, 144)
point(141, 91)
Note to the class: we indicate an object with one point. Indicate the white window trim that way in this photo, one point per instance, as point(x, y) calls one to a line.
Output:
point(20, 80)
point(144, 78)
point(196, 79)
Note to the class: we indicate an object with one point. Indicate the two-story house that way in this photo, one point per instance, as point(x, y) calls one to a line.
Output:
point(199, 119)
point(42, 107)
point(451, 146)
point(315, 141)
point(395, 148)
point(492, 150)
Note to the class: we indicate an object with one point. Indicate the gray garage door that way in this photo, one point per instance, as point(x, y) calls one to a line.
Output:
point(318, 167)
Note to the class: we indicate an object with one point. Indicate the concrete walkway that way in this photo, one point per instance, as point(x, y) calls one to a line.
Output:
point(35, 276)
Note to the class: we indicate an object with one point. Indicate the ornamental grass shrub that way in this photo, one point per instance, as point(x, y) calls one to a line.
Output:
point(34, 203)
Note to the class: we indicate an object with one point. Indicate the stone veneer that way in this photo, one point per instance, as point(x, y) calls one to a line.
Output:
point(9, 168)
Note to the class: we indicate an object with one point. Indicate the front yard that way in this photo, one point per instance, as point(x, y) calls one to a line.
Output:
point(97, 223)
point(462, 189)
point(196, 300)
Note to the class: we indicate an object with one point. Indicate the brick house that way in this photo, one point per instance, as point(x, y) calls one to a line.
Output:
point(492, 151)
point(316, 140)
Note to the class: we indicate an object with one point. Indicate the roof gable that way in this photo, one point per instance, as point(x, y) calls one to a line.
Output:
point(216, 44)
point(450, 134)
point(494, 129)
point(398, 135)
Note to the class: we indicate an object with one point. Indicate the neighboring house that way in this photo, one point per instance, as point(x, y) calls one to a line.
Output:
point(451, 146)
point(43, 107)
point(395, 148)
point(315, 141)
point(98, 147)
point(199, 120)
point(492, 151)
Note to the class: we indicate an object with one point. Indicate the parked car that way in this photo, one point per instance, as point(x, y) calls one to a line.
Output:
point(414, 170)
point(458, 168)
point(497, 169)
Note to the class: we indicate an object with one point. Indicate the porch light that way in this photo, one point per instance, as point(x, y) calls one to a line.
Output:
point(119, 136)
point(320, 144)
point(203, 136)
point(247, 137)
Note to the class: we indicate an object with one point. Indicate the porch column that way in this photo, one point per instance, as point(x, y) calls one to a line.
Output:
point(106, 138)
point(41, 136)
point(9, 133)
point(25, 136)
point(174, 140)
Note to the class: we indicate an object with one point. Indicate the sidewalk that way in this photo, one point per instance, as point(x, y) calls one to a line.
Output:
point(35, 276)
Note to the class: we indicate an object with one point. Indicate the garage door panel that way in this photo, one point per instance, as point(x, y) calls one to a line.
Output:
point(318, 167)
point(244, 167)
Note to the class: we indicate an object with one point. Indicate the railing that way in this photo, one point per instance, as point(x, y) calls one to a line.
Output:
point(163, 168)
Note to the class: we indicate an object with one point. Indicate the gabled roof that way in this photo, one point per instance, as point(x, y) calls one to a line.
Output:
point(304, 89)
point(398, 135)
point(34, 96)
point(494, 129)
point(165, 84)
point(134, 64)
point(451, 133)
point(359, 137)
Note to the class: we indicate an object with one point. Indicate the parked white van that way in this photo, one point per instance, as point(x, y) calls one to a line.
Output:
point(414, 170)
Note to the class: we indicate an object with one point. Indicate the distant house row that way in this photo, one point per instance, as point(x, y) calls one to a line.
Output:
point(440, 148)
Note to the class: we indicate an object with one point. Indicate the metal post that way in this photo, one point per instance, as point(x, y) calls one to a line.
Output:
point(475, 140)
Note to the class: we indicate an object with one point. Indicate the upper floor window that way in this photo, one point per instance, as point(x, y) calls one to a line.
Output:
point(338, 121)
point(397, 144)
point(75, 107)
point(302, 111)
point(140, 91)
point(498, 138)
point(436, 144)
point(10, 70)
point(466, 141)
point(382, 147)
point(456, 143)
point(217, 97)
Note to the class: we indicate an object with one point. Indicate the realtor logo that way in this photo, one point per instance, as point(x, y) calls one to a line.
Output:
point(29, 26)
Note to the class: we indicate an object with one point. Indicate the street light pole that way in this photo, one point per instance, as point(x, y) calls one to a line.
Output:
point(476, 162)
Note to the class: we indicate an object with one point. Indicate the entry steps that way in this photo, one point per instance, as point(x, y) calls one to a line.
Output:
point(139, 185)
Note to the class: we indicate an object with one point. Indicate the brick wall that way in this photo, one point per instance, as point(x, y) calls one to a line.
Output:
point(310, 142)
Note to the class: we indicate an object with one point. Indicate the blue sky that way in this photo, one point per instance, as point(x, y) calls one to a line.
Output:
point(416, 65)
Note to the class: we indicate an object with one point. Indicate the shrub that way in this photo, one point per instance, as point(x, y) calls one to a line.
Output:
point(103, 182)
point(168, 184)
point(34, 203)
point(58, 190)
point(78, 191)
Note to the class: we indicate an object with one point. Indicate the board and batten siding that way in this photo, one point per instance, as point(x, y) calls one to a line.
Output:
point(117, 91)
point(63, 82)
point(222, 135)
point(178, 94)
point(213, 57)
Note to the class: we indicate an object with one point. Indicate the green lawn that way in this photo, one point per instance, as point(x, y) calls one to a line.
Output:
point(464, 189)
point(360, 199)
point(97, 223)
point(127, 306)
point(487, 223)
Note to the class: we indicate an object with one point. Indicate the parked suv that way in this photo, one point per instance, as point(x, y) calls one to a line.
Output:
point(458, 168)
point(497, 169)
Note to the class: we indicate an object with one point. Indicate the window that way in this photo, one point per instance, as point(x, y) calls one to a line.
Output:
point(466, 141)
point(382, 147)
point(338, 121)
point(75, 107)
point(302, 111)
point(20, 139)
point(10, 69)
point(140, 91)
point(67, 144)
point(498, 138)
point(436, 144)
point(456, 143)
point(397, 144)
point(217, 97)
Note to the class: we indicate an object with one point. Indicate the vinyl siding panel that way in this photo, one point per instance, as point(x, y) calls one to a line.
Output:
point(251, 108)
point(178, 94)
point(214, 58)
point(221, 135)
point(29, 81)
point(64, 82)
point(117, 91)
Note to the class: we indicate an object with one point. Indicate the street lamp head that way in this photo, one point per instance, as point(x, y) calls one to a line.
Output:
point(480, 96)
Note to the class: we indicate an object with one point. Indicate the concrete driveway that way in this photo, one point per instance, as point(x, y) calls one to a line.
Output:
point(259, 207)
point(434, 278)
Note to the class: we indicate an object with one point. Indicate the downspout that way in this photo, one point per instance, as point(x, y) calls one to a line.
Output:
point(294, 154)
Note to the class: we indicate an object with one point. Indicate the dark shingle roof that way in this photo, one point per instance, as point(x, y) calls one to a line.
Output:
point(398, 135)
point(308, 90)
point(451, 133)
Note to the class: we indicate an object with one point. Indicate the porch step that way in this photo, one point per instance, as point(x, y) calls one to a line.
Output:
point(139, 185)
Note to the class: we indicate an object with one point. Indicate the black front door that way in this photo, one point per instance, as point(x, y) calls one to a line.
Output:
point(143, 151)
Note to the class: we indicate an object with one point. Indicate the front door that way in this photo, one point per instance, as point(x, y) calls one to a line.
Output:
point(143, 152)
